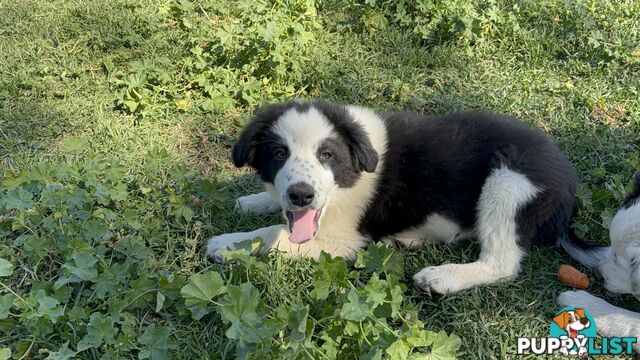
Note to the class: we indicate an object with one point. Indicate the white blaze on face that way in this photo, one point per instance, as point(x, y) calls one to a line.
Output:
point(303, 133)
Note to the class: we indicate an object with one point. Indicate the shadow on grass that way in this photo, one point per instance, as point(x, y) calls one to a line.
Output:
point(28, 131)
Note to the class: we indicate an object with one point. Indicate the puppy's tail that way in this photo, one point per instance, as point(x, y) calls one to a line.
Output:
point(587, 254)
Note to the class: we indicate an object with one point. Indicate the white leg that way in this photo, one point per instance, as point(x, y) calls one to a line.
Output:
point(611, 320)
point(260, 203)
point(436, 228)
point(270, 235)
point(277, 237)
point(504, 192)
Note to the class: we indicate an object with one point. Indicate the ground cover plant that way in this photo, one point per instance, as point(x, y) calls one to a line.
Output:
point(116, 120)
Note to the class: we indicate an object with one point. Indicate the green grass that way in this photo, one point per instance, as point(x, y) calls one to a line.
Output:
point(65, 74)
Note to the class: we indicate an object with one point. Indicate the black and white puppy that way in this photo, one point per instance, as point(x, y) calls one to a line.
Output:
point(620, 270)
point(345, 175)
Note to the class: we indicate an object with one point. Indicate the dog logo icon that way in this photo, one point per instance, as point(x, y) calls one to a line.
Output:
point(576, 324)
point(573, 333)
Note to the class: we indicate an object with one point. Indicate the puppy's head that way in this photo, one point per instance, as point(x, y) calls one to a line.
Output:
point(303, 151)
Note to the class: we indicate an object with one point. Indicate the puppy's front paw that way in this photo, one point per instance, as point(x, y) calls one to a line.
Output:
point(257, 204)
point(219, 244)
point(443, 279)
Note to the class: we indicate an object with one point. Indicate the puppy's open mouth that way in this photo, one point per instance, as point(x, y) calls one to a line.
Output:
point(303, 225)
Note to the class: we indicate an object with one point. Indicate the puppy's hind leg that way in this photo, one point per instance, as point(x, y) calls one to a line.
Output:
point(260, 203)
point(503, 194)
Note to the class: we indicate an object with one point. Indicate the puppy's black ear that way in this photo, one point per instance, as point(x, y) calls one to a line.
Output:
point(365, 155)
point(244, 150)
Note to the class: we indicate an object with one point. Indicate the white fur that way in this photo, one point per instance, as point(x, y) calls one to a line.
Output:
point(303, 134)
point(503, 194)
point(611, 321)
point(616, 269)
point(436, 228)
point(343, 207)
point(260, 203)
point(218, 244)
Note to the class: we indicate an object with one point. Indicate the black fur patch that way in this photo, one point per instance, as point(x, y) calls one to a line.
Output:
point(345, 173)
point(439, 165)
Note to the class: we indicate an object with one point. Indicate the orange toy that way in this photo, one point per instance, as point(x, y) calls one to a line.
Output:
point(569, 275)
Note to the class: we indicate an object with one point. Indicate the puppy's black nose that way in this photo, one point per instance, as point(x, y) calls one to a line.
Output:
point(584, 321)
point(301, 194)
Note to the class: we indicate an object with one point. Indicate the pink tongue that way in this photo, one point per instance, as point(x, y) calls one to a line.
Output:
point(302, 226)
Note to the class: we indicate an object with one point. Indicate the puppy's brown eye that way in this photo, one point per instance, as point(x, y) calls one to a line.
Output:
point(326, 155)
point(279, 154)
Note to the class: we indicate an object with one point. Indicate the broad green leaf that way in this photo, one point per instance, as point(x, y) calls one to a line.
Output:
point(77, 197)
point(5, 354)
point(83, 266)
point(160, 298)
point(444, 347)
point(95, 229)
point(100, 191)
point(375, 291)
point(100, 330)
point(6, 268)
point(355, 309)
point(375, 353)
point(6, 301)
point(417, 337)
point(143, 294)
point(243, 253)
point(157, 343)
point(380, 258)
point(111, 279)
point(118, 192)
point(395, 295)
point(64, 353)
point(202, 288)
point(19, 199)
point(47, 307)
point(198, 312)
point(296, 318)
point(328, 271)
point(239, 307)
point(398, 350)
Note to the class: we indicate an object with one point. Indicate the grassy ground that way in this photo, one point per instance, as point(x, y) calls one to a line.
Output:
point(74, 85)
